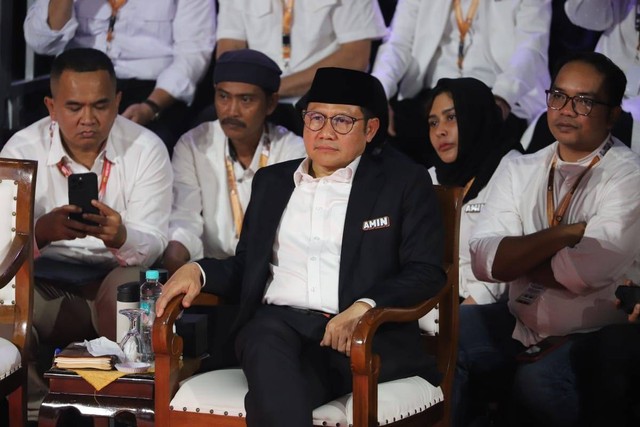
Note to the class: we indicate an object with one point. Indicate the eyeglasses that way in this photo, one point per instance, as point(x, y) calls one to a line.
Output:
point(581, 104)
point(341, 123)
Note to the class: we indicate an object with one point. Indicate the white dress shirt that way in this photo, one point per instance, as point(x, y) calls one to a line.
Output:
point(306, 253)
point(318, 29)
point(169, 41)
point(507, 49)
point(616, 18)
point(139, 189)
point(608, 201)
point(201, 217)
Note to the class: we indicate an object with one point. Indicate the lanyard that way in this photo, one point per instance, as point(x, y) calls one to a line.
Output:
point(464, 25)
point(555, 216)
point(236, 207)
point(115, 7)
point(65, 170)
point(467, 187)
point(287, 20)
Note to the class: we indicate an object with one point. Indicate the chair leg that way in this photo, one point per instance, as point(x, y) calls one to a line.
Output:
point(18, 407)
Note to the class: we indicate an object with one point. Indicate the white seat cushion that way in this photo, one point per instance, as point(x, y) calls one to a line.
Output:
point(9, 358)
point(222, 392)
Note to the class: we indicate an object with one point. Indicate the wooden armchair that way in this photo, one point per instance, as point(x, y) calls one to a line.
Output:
point(217, 398)
point(17, 193)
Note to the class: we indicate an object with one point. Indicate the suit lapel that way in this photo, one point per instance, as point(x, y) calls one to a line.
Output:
point(364, 192)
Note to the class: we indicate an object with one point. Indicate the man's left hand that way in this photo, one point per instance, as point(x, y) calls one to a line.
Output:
point(110, 228)
point(140, 113)
point(339, 330)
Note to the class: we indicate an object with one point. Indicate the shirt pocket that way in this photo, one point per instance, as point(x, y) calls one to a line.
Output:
point(254, 8)
point(153, 19)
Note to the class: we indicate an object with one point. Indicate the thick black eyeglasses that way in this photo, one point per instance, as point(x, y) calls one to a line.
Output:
point(581, 104)
point(341, 123)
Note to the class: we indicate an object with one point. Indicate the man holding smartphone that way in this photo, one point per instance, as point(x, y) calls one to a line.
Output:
point(79, 264)
point(561, 228)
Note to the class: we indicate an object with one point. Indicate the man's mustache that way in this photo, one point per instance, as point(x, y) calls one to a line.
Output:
point(233, 122)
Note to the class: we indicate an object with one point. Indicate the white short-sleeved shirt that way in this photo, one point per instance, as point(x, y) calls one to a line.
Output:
point(201, 218)
point(608, 201)
point(169, 41)
point(319, 27)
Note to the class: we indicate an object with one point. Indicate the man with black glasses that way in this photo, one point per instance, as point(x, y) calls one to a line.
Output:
point(352, 226)
point(561, 228)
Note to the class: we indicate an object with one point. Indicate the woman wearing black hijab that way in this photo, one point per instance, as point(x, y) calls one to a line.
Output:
point(468, 137)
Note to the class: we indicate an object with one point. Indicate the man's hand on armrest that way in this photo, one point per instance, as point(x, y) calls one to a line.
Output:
point(184, 281)
point(339, 330)
point(519, 255)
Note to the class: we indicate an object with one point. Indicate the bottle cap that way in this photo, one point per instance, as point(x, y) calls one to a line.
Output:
point(152, 275)
point(163, 275)
point(129, 292)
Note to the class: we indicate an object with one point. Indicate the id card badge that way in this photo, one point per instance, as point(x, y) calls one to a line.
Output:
point(530, 294)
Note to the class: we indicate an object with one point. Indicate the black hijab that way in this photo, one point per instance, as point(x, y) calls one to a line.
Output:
point(481, 135)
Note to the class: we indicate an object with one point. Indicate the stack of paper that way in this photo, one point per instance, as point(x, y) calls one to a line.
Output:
point(76, 356)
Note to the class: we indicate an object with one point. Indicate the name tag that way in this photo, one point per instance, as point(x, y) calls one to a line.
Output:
point(473, 207)
point(531, 294)
point(374, 224)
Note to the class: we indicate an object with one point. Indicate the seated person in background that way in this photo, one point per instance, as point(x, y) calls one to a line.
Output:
point(301, 36)
point(561, 228)
point(619, 41)
point(501, 43)
point(468, 137)
point(305, 269)
point(214, 163)
point(160, 50)
point(85, 134)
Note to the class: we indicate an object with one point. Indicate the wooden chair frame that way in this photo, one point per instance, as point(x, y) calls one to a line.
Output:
point(18, 263)
point(364, 363)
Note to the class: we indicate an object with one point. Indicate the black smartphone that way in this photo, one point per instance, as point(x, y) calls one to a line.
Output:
point(83, 187)
point(629, 296)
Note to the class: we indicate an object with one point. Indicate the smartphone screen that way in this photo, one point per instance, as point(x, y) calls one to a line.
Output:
point(83, 187)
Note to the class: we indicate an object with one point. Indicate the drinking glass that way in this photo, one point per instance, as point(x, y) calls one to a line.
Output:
point(131, 343)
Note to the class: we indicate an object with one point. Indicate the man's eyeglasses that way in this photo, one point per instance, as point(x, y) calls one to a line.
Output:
point(581, 104)
point(341, 123)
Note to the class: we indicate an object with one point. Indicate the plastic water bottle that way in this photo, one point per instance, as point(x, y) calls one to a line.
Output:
point(150, 290)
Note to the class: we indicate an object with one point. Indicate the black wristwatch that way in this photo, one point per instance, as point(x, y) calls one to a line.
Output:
point(154, 107)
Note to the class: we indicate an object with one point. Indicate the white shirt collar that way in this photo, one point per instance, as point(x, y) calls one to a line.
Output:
point(344, 175)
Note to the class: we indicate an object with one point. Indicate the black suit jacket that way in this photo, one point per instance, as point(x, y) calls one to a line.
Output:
point(399, 265)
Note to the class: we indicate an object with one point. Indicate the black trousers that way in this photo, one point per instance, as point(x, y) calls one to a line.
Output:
point(287, 371)
point(607, 365)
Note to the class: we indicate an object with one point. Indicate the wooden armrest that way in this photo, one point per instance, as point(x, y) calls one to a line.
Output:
point(18, 252)
point(168, 347)
point(362, 339)
point(164, 340)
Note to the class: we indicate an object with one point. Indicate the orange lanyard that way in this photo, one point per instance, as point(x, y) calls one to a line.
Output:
point(115, 7)
point(65, 170)
point(555, 216)
point(236, 207)
point(287, 21)
point(467, 187)
point(464, 25)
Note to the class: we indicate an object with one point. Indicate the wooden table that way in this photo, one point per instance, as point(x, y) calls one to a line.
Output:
point(132, 393)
